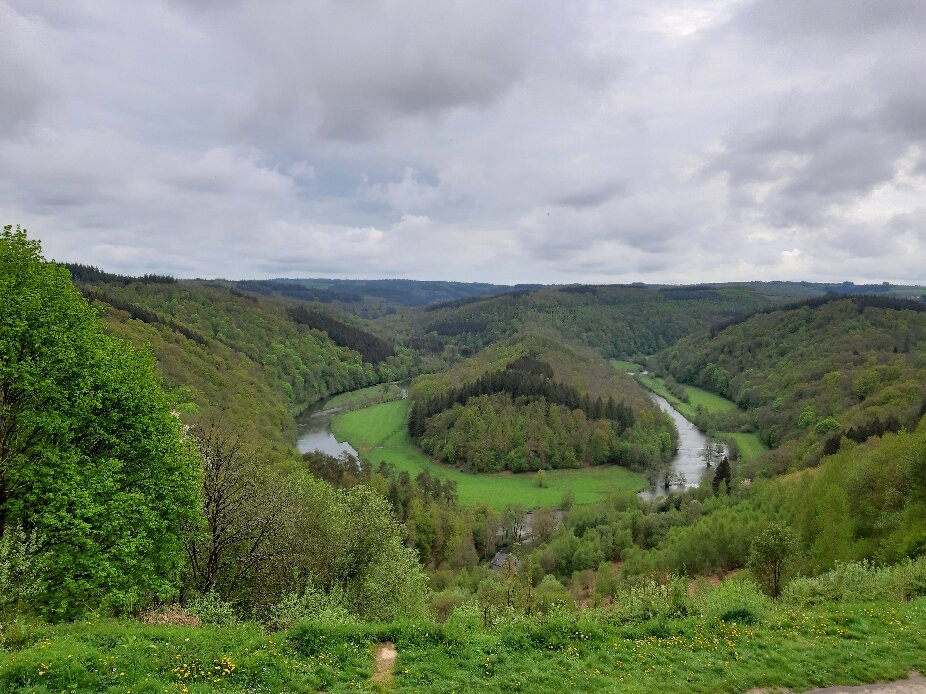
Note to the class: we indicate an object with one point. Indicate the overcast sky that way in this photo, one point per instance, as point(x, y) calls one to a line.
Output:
point(531, 141)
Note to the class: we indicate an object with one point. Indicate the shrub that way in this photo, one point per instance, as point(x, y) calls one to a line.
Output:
point(648, 598)
point(860, 582)
point(311, 606)
point(18, 570)
point(211, 609)
point(737, 600)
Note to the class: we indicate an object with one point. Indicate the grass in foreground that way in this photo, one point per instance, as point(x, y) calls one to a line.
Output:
point(378, 433)
point(795, 648)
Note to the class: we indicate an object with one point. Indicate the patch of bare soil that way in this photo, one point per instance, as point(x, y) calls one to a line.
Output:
point(384, 662)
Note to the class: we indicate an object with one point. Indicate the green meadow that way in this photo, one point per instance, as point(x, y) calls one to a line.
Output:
point(379, 434)
point(364, 397)
point(626, 366)
point(793, 647)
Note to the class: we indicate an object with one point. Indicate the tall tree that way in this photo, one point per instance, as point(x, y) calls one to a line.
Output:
point(92, 461)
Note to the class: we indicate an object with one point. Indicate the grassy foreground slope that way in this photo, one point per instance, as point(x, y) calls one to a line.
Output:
point(379, 434)
point(794, 647)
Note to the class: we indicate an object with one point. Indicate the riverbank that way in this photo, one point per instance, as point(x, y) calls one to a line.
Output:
point(748, 443)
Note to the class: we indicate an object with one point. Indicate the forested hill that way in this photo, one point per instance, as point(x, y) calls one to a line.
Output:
point(618, 320)
point(236, 357)
point(811, 374)
point(532, 403)
point(373, 298)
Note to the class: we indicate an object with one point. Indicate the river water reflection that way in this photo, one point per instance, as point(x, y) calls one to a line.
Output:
point(687, 460)
point(315, 433)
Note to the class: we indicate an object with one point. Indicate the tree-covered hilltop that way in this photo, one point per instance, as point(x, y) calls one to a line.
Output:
point(371, 298)
point(617, 320)
point(534, 403)
point(809, 375)
point(238, 357)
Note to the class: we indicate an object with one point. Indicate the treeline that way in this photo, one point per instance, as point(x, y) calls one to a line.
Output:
point(83, 274)
point(371, 347)
point(299, 292)
point(861, 302)
point(525, 379)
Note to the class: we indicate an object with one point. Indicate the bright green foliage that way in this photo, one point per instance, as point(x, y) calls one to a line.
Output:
point(771, 554)
point(91, 459)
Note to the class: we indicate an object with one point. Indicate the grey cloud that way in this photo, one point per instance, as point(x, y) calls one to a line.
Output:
point(514, 141)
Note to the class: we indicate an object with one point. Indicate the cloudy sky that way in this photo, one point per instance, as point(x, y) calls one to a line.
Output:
point(534, 141)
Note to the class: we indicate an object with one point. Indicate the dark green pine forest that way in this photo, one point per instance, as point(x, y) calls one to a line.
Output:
point(159, 531)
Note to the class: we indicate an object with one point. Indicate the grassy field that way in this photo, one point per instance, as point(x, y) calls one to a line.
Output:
point(794, 648)
point(364, 397)
point(626, 366)
point(749, 444)
point(378, 433)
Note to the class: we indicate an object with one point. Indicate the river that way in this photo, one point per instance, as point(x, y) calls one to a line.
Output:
point(315, 433)
point(687, 460)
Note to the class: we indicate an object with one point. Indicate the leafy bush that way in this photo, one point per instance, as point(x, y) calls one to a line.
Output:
point(311, 606)
point(648, 598)
point(738, 600)
point(860, 582)
point(211, 609)
point(18, 570)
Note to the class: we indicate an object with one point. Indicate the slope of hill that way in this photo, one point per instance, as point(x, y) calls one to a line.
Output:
point(533, 402)
point(617, 320)
point(249, 360)
point(810, 374)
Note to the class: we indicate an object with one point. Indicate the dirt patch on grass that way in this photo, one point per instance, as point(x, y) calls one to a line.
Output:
point(384, 662)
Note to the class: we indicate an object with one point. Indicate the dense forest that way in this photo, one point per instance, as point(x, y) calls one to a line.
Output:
point(809, 375)
point(617, 320)
point(511, 409)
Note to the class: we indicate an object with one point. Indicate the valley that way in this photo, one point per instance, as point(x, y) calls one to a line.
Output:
point(510, 486)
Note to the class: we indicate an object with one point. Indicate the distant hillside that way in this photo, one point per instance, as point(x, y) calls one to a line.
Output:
point(811, 374)
point(372, 298)
point(534, 402)
point(252, 362)
point(618, 320)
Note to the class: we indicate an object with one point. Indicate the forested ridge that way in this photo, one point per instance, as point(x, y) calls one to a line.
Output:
point(616, 320)
point(809, 375)
point(511, 409)
point(254, 360)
